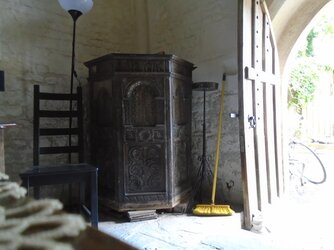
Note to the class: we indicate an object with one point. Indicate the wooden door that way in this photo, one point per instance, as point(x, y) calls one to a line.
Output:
point(260, 122)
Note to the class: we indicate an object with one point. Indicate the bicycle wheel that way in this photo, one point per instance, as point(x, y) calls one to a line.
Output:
point(310, 167)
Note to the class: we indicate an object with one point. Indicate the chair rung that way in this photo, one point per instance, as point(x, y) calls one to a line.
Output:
point(58, 150)
point(52, 113)
point(58, 131)
point(53, 96)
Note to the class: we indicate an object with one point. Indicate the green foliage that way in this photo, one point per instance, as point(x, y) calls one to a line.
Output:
point(302, 84)
point(325, 26)
point(313, 64)
point(305, 74)
point(309, 51)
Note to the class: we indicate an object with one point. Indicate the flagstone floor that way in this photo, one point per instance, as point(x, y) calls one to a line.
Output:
point(180, 231)
point(303, 222)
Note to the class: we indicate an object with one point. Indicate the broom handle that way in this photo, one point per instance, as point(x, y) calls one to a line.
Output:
point(214, 184)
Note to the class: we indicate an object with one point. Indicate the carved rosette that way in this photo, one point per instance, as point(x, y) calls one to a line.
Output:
point(155, 135)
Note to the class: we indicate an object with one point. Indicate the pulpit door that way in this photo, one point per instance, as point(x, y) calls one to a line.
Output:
point(144, 136)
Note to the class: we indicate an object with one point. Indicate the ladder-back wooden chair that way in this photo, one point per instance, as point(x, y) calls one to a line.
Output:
point(64, 173)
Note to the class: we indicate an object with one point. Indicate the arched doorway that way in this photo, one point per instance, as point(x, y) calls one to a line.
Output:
point(304, 228)
point(289, 19)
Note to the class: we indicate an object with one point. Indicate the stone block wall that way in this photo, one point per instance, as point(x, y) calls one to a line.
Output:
point(35, 48)
point(205, 33)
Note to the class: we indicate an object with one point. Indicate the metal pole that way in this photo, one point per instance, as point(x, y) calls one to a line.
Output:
point(75, 15)
point(71, 92)
point(204, 126)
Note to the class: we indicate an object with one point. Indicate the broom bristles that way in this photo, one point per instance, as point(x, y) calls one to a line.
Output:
point(212, 210)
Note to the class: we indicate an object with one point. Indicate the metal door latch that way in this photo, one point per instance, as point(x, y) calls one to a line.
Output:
point(252, 121)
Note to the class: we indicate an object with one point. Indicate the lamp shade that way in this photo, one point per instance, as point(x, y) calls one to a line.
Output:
point(83, 6)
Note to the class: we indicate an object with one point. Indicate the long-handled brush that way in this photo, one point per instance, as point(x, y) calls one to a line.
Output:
point(213, 209)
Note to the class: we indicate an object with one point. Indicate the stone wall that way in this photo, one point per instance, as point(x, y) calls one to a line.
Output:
point(35, 48)
point(205, 33)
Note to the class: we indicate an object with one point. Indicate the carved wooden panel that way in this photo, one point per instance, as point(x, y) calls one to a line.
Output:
point(181, 129)
point(181, 99)
point(132, 65)
point(145, 168)
point(143, 101)
point(101, 148)
point(102, 103)
point(102, 145)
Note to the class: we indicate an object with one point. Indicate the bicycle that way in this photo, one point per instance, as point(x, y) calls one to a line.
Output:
point(305, 164)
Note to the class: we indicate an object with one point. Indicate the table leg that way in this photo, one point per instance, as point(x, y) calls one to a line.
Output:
point(94, 200)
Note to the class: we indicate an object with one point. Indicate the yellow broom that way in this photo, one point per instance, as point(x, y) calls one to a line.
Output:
point(213, 209)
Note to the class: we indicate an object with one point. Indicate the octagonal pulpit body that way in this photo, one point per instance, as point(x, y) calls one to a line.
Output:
point(141, 129)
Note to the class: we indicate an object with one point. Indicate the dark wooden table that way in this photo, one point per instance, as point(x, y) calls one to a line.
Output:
point(67, 173)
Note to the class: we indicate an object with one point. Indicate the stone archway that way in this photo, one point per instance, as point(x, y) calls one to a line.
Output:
point(290, 18)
